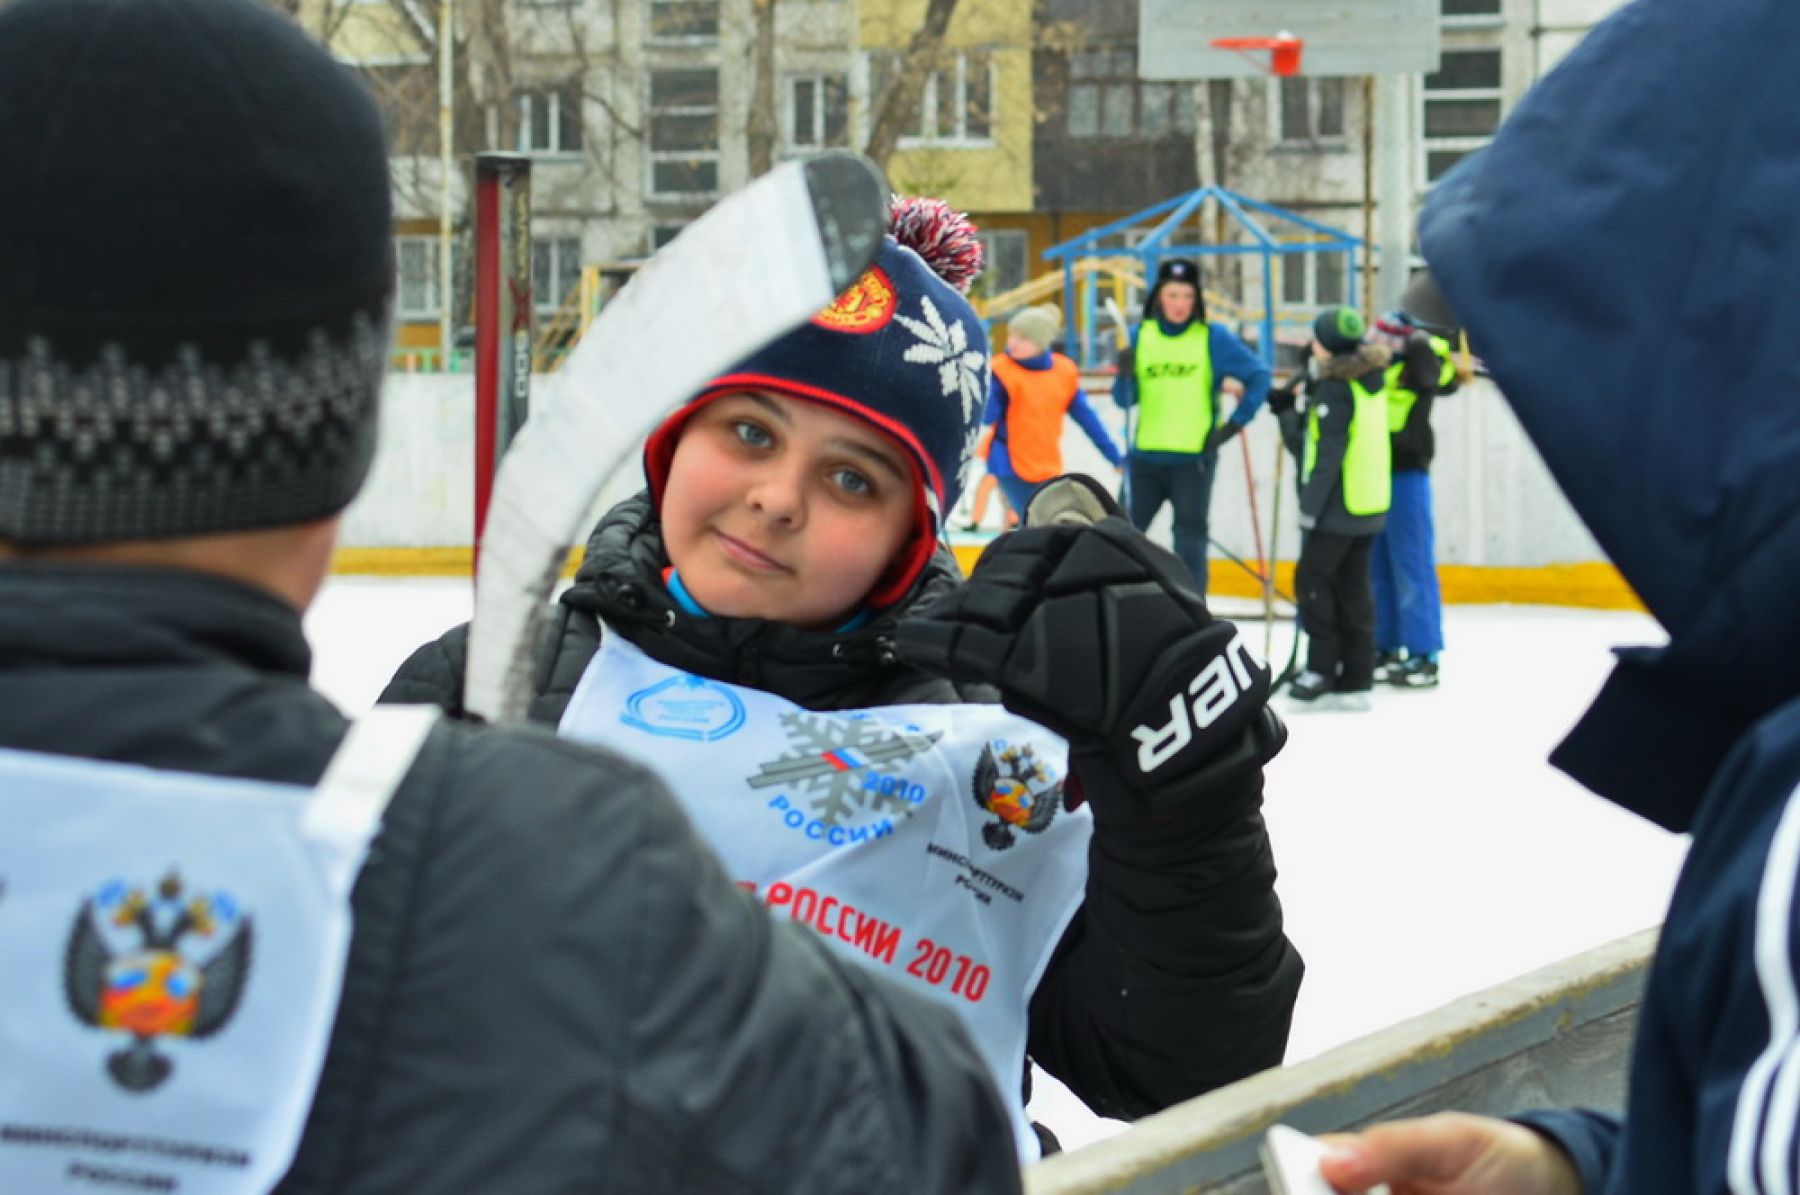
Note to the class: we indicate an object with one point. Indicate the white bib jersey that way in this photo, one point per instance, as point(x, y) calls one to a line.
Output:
point(174, 950)
point(928, 842)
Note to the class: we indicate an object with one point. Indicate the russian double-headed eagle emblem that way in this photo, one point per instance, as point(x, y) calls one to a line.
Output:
point(1014, 787)
point(165, 984)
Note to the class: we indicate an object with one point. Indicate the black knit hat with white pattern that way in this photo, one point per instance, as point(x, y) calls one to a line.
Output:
point(195, 271)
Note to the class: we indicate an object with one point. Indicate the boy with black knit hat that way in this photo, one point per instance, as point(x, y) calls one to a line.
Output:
point(1341, 438)
point(249, 947)
point(1171, 375)
point(786, 641)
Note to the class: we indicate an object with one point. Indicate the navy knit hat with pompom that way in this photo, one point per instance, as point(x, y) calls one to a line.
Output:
point(901, 349)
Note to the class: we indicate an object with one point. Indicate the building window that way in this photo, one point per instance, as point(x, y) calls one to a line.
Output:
point(1315, 279)
point(416, 293)
point(1463, 104)
point(684, 132)
point(662, 234)
point(818, 112)
point(684, 20)
point(1106, 99)
point(1003, 254)
point(1463, 13)
point(1311, 111)
point(550, 119)
point(957, 104)
point(555, 272)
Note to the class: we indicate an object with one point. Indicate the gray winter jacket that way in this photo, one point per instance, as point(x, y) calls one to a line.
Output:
point(551, 987)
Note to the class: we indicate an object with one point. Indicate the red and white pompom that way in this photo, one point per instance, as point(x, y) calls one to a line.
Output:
point(941, 235)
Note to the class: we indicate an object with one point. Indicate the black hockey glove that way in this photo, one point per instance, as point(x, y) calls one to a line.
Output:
point(1218, 436)
point(1099, 635)
point(1125, 362)
point(1284, 398)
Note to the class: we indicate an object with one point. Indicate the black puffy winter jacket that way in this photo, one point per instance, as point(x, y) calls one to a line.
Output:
point(551, 987)
point(1173, 979)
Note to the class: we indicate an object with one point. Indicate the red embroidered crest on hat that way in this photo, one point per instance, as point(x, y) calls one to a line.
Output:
point(866, 307)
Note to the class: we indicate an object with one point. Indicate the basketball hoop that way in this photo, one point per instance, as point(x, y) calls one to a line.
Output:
point(1283, 50)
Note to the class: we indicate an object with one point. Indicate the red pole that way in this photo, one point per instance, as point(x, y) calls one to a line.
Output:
point(502, 315)
point(487, 340)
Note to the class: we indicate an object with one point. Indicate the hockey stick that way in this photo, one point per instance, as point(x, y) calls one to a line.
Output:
point(1121, 339)
point(1274, 538)
point(1251, 569)
point(1265, 563)
point(760, 262)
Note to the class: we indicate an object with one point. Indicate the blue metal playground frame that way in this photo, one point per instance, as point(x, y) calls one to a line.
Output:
point(1170, 215)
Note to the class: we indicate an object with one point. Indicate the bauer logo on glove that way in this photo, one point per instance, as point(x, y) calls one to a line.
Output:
point(1091, 630)
point(1214, 690)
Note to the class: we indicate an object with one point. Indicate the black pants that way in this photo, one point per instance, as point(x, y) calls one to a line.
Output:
point(1187, 487)
point(1337, 608)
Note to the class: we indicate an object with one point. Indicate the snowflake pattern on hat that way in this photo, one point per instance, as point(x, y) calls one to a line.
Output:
point(962, 370)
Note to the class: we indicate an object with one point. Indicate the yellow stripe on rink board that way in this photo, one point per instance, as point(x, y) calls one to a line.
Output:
point(419, 562)
point(1595, 586)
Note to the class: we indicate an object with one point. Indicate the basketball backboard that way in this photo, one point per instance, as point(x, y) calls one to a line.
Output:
point(1341, 37)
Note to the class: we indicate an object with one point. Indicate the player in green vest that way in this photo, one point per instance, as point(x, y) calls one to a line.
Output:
point(1344, 496)
point(1409, 631)
point(1170, 377)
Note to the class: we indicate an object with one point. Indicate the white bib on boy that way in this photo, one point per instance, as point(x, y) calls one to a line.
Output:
point(175, 948)
point(928, 842)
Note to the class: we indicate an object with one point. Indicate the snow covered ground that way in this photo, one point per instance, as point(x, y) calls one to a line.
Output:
point(1426, 849)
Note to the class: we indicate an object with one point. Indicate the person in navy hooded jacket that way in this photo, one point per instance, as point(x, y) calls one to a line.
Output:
point(1633, 229)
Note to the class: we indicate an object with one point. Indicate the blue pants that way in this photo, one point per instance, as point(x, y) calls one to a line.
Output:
point(1017, 491)
point(1403, 572)
point(1186, 486)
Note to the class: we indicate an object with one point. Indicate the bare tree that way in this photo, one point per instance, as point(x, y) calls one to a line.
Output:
point(897, 108)
point(762, 132)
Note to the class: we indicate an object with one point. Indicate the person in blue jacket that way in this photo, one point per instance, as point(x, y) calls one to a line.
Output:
point(1647, 348)
point(1171, 374)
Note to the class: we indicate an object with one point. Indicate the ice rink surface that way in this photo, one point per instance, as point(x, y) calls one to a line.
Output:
point(1426, 849)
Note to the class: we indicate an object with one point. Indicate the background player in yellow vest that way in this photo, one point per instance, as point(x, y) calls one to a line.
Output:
point(1344, 488)
point(1409, 621)
point(1171, 374)
point(1032, 390)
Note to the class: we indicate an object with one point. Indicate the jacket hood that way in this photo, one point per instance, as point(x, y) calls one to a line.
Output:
point(1365, 359)
point(620, 580)
point(1623, 255)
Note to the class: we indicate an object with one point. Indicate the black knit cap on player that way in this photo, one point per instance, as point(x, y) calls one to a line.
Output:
point(1175, 269)
point(195, 271)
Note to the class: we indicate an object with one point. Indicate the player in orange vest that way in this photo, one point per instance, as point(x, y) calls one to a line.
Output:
point(1032, 390)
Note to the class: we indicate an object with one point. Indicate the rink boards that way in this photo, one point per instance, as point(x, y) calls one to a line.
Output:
point(1555, 1037)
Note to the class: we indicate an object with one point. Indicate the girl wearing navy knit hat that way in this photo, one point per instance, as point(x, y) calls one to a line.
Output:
point(749, 627)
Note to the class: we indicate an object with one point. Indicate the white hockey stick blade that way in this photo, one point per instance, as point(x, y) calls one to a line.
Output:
point(761, 262)
point(1121, 330)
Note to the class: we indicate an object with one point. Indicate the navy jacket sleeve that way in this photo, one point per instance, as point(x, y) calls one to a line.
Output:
point(1588, 1137)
